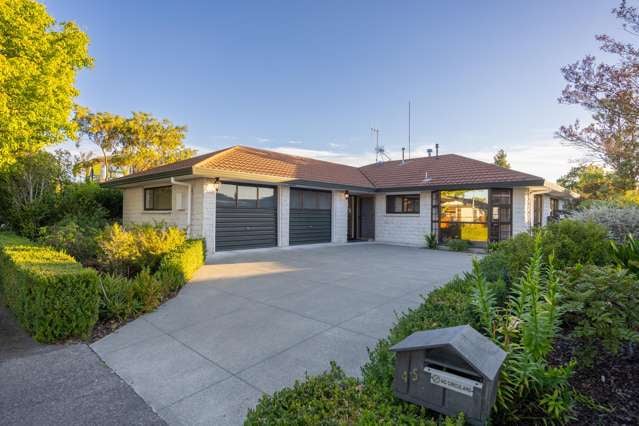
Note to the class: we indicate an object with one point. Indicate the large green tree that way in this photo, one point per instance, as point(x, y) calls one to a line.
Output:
point(501, 159)
point(131, 144)
point(610, 92)
point(39, 60)
point(591, 181)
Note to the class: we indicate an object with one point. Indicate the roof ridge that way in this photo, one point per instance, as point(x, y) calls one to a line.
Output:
point(214, 154)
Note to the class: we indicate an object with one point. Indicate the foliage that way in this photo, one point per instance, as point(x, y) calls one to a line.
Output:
point(458, 245)
point(128, 251)
point(334, 398)
point(602, 305)
point(39, 59)
point(90, 200)
point(618, 220)
point(592, 182)
point(526, 328)
point(609, 92)
point(122, 298)
point(130, 144)
point(431, 241)
point(627, 254)
point(501, 159)
point(52, 296)
point(73, 238)
point(28, 191)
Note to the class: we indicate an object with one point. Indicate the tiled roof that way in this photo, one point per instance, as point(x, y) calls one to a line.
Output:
point(270, 163)
point(445, 170)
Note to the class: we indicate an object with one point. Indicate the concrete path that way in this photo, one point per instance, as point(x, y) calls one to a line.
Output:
point(254, 322)
point(61, 384)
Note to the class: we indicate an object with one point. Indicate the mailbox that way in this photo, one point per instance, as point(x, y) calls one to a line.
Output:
point(449, 370)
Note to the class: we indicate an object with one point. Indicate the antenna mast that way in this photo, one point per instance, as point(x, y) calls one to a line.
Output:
point(409, 130)
point(379, 150)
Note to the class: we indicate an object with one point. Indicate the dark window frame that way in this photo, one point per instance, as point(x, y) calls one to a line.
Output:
point(390, 204)
point(257, 200)
point(303, 191)
point(153, 188)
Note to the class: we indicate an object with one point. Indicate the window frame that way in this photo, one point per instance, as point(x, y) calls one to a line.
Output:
point(153, 188)
point(403, 197)
point(257, 199)
point(303, 191)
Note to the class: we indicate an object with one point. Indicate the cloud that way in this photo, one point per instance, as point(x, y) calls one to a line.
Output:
point(295, 142)
point(334, 145)
point(262, 140)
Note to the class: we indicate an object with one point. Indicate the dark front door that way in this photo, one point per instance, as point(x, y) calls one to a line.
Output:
point(367, 218)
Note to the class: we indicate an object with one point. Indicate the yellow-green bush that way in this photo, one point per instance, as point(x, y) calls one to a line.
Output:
point(52, 295)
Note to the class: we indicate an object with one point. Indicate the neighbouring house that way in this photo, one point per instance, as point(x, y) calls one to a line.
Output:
point(243, 197)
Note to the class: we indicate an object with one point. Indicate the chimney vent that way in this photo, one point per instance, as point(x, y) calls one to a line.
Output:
point(436, 150)
point(403, 149)
point(429, 151)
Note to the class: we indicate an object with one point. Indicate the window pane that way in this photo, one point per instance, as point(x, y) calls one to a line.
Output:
point(296, 199)
point(246, 196)
point(325, 200)
point(397, 204)
point(500, 197)
point(464, 206)
point(162, 198)
point(148, 199)
point(474, 232)
point(310, 200)
point(411, 204)
point(267, 198)
point(504, 232)
point(226, 195)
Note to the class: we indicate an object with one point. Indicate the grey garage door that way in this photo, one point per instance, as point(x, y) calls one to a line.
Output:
point(245, 217)
point(310, 217)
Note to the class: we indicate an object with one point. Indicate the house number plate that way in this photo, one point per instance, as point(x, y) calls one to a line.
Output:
point(452, 381)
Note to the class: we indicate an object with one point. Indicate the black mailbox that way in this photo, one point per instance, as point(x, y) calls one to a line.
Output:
point(449, 370)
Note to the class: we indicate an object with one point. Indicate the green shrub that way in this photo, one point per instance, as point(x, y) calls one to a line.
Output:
point(332, 398)
point(626, 255)
point(619, 220)
point(431, 241)
point(80, 199)
point(128, 251)
point(73, 238)
point(122, 298)
point(602, 305)
point(574, 242)
point(53, 296)
point(458, 245)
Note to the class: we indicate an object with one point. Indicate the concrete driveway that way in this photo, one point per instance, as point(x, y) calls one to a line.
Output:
point(254, 322)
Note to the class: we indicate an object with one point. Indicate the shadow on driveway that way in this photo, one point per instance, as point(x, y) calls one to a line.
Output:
point(61, 384)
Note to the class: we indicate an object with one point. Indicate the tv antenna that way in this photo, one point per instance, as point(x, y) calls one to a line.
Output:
point(380, 152)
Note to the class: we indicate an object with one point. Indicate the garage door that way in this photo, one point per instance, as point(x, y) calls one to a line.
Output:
point(245, 217)
point(310, 217)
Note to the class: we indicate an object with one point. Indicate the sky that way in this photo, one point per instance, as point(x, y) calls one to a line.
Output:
point(313, 77)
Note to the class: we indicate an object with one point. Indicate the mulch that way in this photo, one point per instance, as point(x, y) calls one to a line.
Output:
point(612, 382)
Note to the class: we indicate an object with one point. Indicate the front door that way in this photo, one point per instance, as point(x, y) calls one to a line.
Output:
point(367, 218)
point(538, 210)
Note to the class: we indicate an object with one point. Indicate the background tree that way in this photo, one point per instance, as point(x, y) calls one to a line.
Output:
point(39, 59)
point(592, 182)
point(611, 93)
point(500, 159)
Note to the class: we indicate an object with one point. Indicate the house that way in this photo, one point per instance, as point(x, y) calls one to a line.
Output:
point(243, 197)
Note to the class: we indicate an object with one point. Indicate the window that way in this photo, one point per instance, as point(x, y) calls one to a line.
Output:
point(310, 200)
point(158, 198)
point(500, 214)
point(554, 207)
point(245, 196)
point(402, 204)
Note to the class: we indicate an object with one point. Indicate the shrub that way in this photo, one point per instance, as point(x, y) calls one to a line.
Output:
point(626, 255)
point(526, 329)
point(122, 298)
point(458, 245)
point(140, 246)
point(619, 221)
point(602, 305)
point(73, 238)
point(52, 296)
point(431, 241)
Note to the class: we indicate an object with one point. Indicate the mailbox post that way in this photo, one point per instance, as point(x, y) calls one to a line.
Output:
point(449, 370)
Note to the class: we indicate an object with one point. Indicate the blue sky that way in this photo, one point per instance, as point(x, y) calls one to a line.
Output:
point(312, 77)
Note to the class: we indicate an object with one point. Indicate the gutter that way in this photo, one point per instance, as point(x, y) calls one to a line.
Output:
point(188, 204)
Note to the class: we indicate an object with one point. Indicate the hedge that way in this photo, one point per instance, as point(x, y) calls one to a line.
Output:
point(52, 295)
point(183, 262)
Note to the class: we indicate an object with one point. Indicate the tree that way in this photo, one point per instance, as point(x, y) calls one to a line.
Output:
point(150, 142)
point(39, 59)
point(611, 93)
point(131, 144)
point(592, 182)
point(500, 159)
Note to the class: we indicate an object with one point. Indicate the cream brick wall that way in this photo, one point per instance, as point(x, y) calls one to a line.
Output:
point(283, 213)
point(340, 217)
point(522, 210)
point(408, 229)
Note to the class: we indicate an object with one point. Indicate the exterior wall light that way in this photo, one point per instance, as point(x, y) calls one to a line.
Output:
point(216, 184)
point(346, 195)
